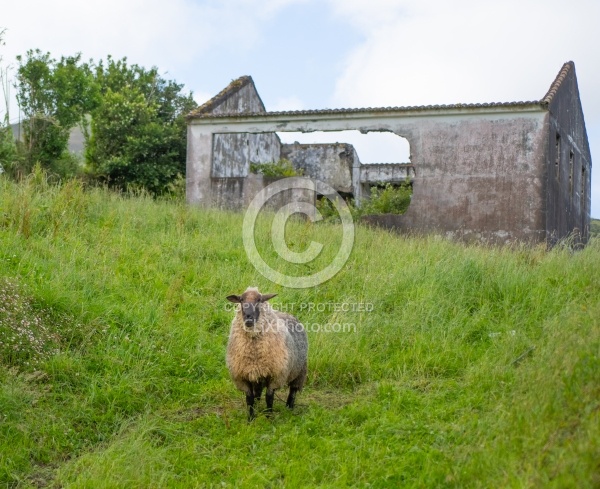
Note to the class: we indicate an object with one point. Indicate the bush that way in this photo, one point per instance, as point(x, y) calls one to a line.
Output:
point(8, 149)
point(281, 168)
point(54, 97)
point(388, 200)
point(329, 212)
point(137, 137)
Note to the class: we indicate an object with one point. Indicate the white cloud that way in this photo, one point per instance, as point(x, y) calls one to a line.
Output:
point(148, 32)
point(370, 15)
point(96, 29)
point(287, 103)
point(465, 51)
point(173, 36)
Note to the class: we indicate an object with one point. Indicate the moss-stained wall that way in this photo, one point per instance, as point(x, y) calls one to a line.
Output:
point(233, 153)
point(568, 162)
point(329, 163)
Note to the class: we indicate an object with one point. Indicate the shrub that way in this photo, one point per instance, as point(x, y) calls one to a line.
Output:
point(388, 200)
point(329, 211)
point(54, 97)
point(137, 137)
point(8, 149)
point(281, 168)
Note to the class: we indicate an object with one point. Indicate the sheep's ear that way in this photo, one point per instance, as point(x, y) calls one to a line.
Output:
point(266, 297)
point(234, 298)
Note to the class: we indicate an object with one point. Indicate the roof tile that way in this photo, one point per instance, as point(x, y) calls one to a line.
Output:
point(562, 74)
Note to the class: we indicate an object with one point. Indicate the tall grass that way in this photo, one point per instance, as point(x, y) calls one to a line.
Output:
point(452, 365)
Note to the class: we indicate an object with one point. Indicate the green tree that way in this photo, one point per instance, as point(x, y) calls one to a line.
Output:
point(54, 96)
point(138, 129)
point(8, 153)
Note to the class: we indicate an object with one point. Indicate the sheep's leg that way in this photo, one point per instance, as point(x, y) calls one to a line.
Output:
point(270, 398)
point(250, 404)
point(291, 400)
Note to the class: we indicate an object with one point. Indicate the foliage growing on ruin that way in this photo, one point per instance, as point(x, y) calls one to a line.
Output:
point(388, 199)
point(281, 168)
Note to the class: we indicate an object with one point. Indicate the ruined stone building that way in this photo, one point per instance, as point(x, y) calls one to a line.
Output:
point(496, 172)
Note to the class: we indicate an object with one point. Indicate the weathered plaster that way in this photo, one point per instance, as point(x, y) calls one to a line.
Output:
point(329, 163)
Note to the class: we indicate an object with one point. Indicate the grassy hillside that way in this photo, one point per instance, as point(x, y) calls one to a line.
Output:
point(459, 366)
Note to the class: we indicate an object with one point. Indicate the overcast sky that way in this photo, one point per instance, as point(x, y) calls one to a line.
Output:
point(313, 54)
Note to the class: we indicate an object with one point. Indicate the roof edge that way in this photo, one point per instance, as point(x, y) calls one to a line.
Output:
point(562, 74)
point(382, 110)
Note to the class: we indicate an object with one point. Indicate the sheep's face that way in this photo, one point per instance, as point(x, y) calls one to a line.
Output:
point(250, 305)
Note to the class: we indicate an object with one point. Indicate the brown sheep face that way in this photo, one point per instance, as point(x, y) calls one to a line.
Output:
point(250, 302)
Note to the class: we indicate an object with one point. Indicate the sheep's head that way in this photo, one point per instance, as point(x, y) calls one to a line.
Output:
point(250, 302)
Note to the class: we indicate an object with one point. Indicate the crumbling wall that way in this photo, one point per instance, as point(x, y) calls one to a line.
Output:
point(386, 173)
point(233, 153)
point(235, 193)
point(382, 173)
point(477, 178)
point(217, 177)
point(329, 163)
point(478, 174)
point(568, 163)
point(498, 172)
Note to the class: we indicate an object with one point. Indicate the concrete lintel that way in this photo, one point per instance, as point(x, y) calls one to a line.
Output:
point(375, 120)
point(309, 122)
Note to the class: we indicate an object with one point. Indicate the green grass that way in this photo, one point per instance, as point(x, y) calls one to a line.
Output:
point(473, 367)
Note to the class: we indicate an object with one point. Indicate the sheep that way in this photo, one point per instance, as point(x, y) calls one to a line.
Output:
point(266, 348)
